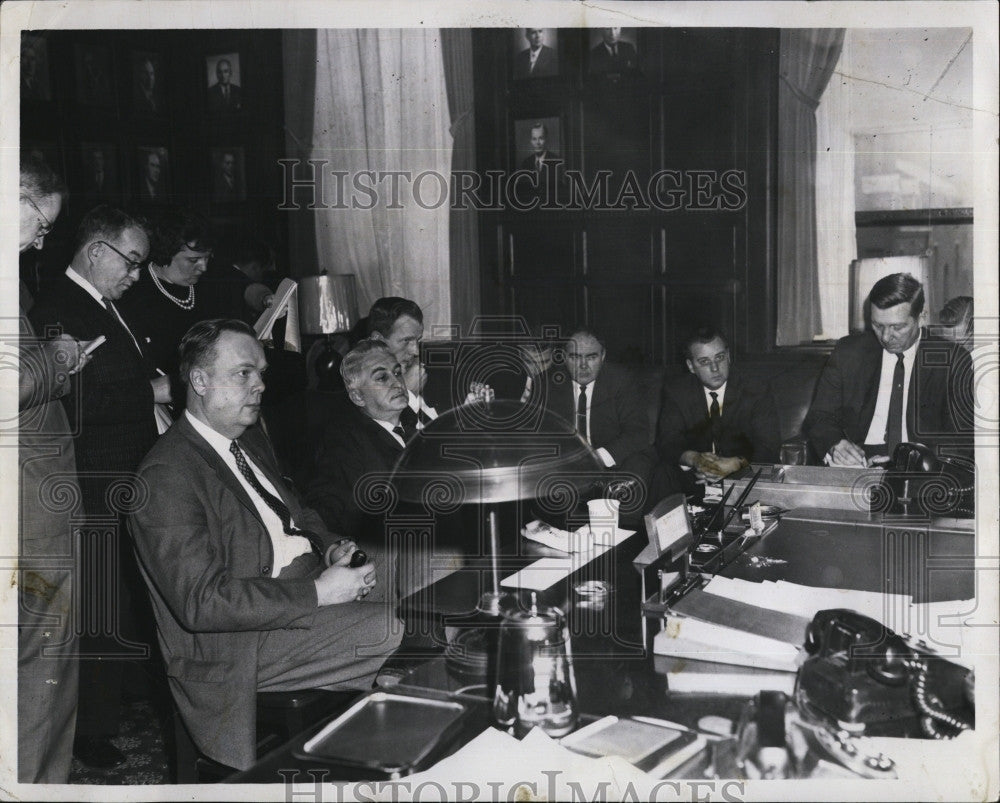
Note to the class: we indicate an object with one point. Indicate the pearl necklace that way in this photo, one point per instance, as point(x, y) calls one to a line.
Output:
point(187, 303)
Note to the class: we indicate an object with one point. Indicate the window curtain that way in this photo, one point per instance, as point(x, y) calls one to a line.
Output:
point(381, 105)
point(464, 235)
point(299, 70)
point(836, 234)
point(806, 62)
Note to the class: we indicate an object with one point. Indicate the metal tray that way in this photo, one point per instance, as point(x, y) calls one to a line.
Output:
point(387, 735)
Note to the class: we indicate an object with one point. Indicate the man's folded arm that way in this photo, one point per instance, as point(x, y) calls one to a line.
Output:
point(183, 557)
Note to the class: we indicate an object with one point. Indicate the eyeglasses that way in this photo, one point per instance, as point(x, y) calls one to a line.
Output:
point(46, 224)
point(133, 264)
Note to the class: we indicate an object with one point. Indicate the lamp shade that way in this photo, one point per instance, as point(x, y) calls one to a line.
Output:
point(327, 304)
point(497, 452)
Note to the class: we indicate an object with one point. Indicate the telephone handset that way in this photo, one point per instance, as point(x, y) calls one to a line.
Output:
point(859, 674)
point(919, 482)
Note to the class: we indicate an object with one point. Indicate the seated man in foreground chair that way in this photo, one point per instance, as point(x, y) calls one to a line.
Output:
point(711, 422)
point(250, 591)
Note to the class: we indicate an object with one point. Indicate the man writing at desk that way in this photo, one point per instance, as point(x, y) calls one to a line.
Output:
point(250, 591)
point(890, 385)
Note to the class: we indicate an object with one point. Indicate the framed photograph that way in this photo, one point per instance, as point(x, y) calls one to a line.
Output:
point(94, 86)
point(612, 51)
point(228, 175)
point(224, 84)
point(147, 83)
point(534, 52)
point(35, 68)
point(99, 173)
point(537, 141)
point(152, 175)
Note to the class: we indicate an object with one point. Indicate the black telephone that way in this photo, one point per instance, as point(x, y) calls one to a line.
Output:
point(918, 482)
point(862, 677)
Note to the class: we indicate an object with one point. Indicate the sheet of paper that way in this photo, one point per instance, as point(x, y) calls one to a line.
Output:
point(546, 572)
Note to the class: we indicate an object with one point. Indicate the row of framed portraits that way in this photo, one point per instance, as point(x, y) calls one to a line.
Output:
point(98, 81)
point(95, 172)
point(536, 52)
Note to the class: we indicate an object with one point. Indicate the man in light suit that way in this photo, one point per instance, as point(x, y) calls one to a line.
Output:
point(251, 592)
point(536, 60)
point(599, 399)
point(856, 417)
point(711, 421)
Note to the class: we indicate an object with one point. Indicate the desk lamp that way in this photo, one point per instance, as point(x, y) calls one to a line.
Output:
point(328, 305)
point(488, 453)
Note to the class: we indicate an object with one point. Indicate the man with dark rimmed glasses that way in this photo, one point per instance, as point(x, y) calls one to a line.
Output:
point(110, 409)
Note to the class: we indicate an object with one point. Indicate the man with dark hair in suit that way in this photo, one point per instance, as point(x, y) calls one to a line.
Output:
point(111, 414)
point(711, 422)
point(224, 95)
point(891, 384)
point(613, 54)
point(599, 399)
point(250, 591)
point(536, 60)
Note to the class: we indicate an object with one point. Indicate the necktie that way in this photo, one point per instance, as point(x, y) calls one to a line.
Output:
point(398, 429)
point(894, 423)
point(614, 51)
point(714, 417)
point(269, 499)
point(581, 412)
point(114, 313)
point(538, 164)
point(408, 421)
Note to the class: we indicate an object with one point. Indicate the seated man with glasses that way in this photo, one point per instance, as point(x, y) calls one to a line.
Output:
point(711, 423)
point(110, 410)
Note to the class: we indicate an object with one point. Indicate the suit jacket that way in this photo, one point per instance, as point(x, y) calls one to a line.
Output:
point(110, 406)
point(618, 422)
point(545, 64)
point(216, 103)
point(938, 410)
point(602, 61)
point(748, 426)
point(352, 446)
point(207, 559)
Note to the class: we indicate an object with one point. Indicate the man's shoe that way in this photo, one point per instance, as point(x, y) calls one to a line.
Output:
point(97, 752)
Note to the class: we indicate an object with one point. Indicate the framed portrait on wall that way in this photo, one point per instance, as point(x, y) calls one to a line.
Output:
point(94, 86)
point(152, 175)
point(35, 84)
point(223, 83)
point(612, 51)
point(147, 83)
point(228, 174)
point(537, 142)
point(48, 152)
point(99, 172)
point(534, 52)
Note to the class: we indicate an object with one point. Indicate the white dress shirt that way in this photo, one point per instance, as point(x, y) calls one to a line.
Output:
point(880, 418)
point(388, 427)
point(285, 547)
point(92, 291)
point(417, 404)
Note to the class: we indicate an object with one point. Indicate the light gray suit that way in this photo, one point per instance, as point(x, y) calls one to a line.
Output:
point(228, 628)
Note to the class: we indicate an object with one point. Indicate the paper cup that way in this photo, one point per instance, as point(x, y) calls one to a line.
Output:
point(603, 511)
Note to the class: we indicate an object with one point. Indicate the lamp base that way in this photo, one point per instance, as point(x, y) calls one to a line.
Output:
point(492, 603)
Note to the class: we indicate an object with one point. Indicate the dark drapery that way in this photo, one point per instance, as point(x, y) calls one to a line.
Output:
point(299, 63)
point(463, 234)
point(807, 60)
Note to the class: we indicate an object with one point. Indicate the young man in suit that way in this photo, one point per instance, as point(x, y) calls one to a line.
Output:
point(890, 384)
point(250, 590)
point(600, 401)
point(711, 422)
point(110, 409)
point(537, 59)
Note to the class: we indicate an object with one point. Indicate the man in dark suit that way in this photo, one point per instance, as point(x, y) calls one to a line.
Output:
point(111, 414)
point(891, 384)
point(145, 92)
point(224, 96)
point(150, 173)
point(711, 422)
point(536, 60)
point(363, 440)
point(545, 165)
point(599, 399)
point(250, 591)
point(613, 54)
